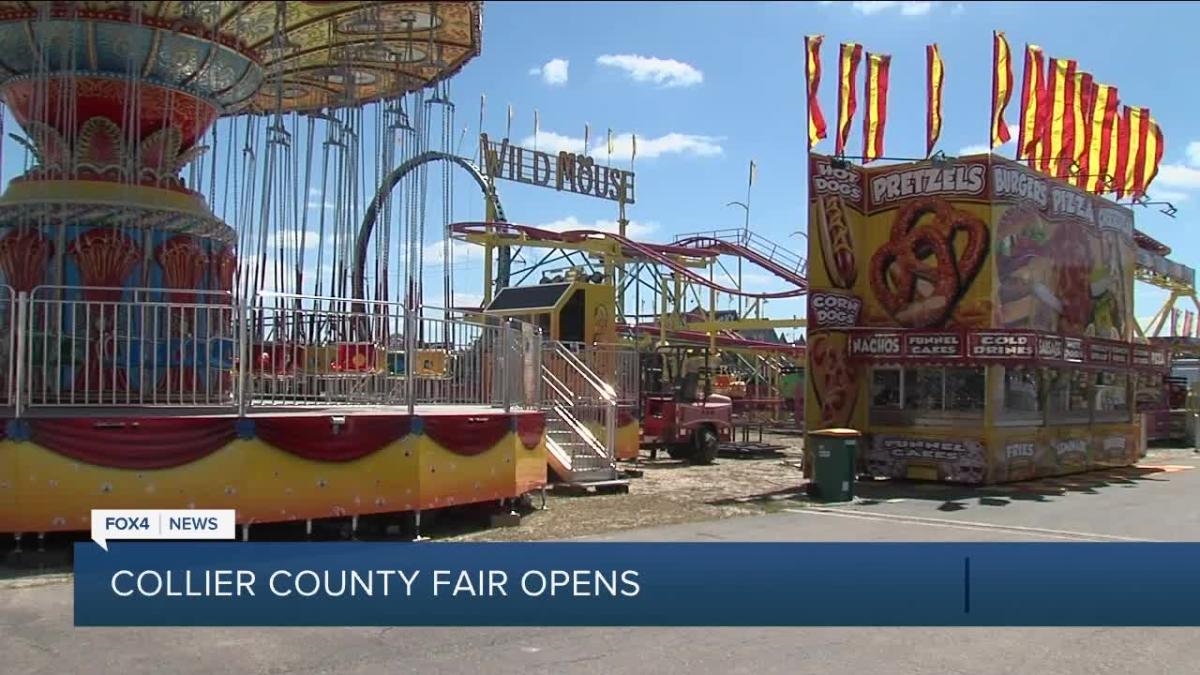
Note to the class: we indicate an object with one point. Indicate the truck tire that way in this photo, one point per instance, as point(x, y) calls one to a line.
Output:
point(681, 451)
point(705, 446)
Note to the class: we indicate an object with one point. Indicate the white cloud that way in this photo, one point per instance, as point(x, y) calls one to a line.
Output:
point(906, 8)
point(553, 72)
point(290, 240)
point(663, 72)
point(1178, 176)
point(959, 8)
point(1193, 153)
point(673, 143)
point(979, 148)
point(460, 252)
point(634, 230)
point(1172, 196)
point(467, 299)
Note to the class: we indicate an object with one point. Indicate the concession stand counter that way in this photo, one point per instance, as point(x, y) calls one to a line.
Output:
point(974, 320)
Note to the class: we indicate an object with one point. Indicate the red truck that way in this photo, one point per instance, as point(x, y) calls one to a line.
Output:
point(686, 424)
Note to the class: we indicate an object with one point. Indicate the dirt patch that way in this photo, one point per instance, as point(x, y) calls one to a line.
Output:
point(668, 492)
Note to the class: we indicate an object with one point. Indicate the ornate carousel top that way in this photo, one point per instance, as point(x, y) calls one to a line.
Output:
point(246, 56)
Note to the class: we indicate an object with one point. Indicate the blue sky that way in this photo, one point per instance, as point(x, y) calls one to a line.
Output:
point(708, 87)
point(731, 90)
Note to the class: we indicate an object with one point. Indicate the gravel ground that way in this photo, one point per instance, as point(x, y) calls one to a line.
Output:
point(668, 492)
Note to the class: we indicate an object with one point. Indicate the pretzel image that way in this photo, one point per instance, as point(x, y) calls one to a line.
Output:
point(918, 293)
point(837, 243)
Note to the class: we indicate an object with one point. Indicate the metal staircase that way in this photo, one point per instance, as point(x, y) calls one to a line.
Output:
point(581, 419)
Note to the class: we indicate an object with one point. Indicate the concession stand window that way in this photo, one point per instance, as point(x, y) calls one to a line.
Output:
point(1022, 403)
point(1150, 392)
point(927, 395)
point(1110, 396)
point(1068, 395)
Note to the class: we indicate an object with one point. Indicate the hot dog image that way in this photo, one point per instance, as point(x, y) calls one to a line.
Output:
point(837, 242)
point(835, 379)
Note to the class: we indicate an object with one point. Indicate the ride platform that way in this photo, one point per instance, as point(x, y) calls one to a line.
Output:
point(270, 467)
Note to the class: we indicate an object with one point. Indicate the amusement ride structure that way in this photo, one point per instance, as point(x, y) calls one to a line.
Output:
point(212, 293)
point(167, 343)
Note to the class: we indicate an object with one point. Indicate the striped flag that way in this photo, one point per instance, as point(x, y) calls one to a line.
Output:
point(1102, 150)
point(850, 57)
point(1081, 114)
point(816, 119)
point(1131, 151)
point(610, 142)
point(753, 171)
point(1001, 87)
point(1174, 322)
point(1187, 323)
point(1058, 133)
point(934, 74)
point(1155, 144)
point(875, 116)
point(508, 125)
point(1033, 104)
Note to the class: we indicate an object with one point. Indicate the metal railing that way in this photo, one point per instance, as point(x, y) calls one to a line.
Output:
point(618, 364)
point(135, 348)
point(582, 412)
point(100, 351)
point(784, 256)
point(8, 347)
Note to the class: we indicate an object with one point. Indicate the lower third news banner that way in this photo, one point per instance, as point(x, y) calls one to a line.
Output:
point(636, 584)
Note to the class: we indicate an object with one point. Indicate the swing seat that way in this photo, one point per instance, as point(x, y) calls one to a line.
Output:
point(276, 359)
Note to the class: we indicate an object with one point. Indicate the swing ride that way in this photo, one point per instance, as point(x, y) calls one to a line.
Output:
point(177, 249)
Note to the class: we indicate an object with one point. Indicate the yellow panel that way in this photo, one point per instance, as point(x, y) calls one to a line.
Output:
point(43, 491)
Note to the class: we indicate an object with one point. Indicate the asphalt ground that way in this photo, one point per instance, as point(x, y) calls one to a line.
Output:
point(1155, 501)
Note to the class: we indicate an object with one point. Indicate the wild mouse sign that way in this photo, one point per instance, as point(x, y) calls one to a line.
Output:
point(562, 171)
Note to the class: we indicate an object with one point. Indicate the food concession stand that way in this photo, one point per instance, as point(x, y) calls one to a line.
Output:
point(973, 319)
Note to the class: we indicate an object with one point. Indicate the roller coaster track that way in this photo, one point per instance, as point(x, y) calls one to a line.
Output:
point(723, 339)
point(389, 182)
point(660, 254)
point(731, 248)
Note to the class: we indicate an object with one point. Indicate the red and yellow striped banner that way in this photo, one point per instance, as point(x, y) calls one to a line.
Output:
point(1033, 104)
point(1058, 140)
point(812, 70)
point(1155, 146)
point(934, 74)
point(1102, 148)
point(1001, 87)
point(849, 58)
point(1131, 150)
point(875, 117)
point(1081, 130)
point(1140, 152)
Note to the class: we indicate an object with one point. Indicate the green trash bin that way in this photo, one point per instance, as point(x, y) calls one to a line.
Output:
point(833, 457)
